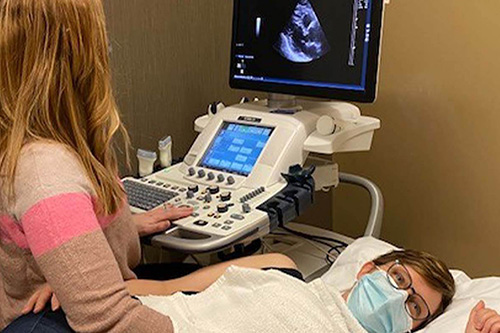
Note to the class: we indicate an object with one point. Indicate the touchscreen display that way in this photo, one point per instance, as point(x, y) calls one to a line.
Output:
point(236, 148)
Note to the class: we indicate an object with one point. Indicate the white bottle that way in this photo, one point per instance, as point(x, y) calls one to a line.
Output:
point(165, 148)
point(147, 161)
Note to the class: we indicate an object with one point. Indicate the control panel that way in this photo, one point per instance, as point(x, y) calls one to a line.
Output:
point(220, 215)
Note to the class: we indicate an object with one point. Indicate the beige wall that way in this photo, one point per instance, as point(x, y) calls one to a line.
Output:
point(435, 157)
point(169, 62)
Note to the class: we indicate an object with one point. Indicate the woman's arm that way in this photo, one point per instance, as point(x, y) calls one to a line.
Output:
point(197, 281)
point(146, 223)
point(203, 278)
point(57, 213)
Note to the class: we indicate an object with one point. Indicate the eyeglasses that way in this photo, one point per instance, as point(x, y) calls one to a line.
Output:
point(400, 279)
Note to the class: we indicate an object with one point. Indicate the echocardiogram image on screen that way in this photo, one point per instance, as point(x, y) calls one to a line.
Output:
point(323, 44)
point(302, 39)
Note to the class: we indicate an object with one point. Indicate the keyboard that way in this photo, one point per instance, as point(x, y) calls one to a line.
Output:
point(147, 196)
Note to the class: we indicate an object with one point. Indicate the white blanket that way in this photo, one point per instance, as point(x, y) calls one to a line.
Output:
point(248, 300)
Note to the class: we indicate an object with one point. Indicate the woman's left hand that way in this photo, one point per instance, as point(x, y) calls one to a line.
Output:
point(40, 298)
point(158, 220)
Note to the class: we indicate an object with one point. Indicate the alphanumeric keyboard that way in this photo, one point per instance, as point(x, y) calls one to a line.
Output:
point(147, 196)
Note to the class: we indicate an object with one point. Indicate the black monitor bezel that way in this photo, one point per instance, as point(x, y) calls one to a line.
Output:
point(365, 96)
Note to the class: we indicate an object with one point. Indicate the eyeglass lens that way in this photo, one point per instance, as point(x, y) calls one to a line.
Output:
point(416, 307)
point(400, 278)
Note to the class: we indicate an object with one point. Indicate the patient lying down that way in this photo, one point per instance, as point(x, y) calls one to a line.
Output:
point(398, 292)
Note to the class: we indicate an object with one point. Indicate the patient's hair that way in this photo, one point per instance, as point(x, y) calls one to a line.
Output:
point(55, 85)
point(433, 270)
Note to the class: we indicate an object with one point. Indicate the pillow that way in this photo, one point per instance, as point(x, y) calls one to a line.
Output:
point(469, 293)
point(342, 275)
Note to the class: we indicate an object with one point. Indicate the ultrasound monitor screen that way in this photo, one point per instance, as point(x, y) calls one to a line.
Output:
point(320, 48)
point(236, 148)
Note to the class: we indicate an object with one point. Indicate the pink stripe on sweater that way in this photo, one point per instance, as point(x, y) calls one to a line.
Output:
point(56, 220)
point(105, 221)
point(11, 232)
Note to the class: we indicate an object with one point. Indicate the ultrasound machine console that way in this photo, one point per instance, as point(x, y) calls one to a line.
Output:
point(244, 175)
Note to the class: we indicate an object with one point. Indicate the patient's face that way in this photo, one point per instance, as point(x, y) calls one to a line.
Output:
point(431, 296)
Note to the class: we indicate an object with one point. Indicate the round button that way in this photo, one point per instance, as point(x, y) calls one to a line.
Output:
point(325, 125)
point(190, 194)
point(222, 208)
point(230, 180)
point(210, 176)
point(191, 171)
point(220, 178)
point(213, 189)
point(208, 197)
point(200, 223)
point(225, 196)
point(201, 173)
point(193, 188)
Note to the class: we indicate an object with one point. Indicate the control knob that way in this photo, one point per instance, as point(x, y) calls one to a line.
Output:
point(210, 176)
point(201, 173)
point(213, 189)
point(193, 188)
point(191, 172)
point(225, 196)
point(190, 194)
point(220, 178)
point(222, 208)
point(230, 180)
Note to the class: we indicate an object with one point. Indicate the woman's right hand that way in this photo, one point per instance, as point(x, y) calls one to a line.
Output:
point(159, 220)
point(39, 300)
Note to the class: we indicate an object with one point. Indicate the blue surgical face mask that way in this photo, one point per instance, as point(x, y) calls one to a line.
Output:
point(378, 306)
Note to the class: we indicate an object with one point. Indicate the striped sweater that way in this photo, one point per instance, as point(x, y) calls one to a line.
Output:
point(51, 233)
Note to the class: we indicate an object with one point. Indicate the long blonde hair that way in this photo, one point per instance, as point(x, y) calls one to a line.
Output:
point(55, 84)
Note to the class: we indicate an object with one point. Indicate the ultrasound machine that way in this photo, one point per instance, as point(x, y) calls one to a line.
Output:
point(249, 170)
